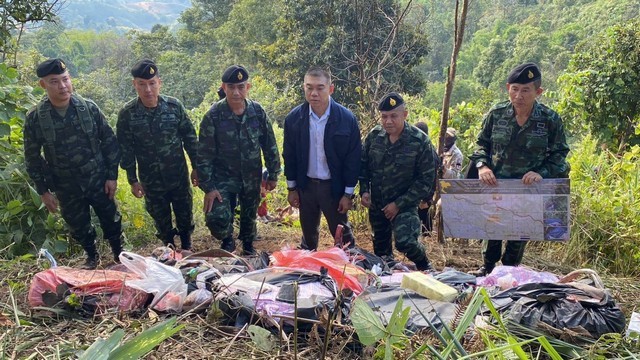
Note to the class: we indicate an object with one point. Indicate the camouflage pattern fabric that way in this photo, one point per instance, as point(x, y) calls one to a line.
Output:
point(74, 157)
point(153, 143)
point(452, 163)
point(230, 161)
point(220, 219)
point(406, 229)
point(77, 175)
point(400, 172)
point(74, 208)
point(511, 151)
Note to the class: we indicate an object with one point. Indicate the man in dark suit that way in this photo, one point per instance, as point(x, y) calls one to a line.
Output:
point(321, 154)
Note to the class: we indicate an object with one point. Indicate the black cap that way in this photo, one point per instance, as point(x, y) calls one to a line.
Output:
point(145, 69)
point(390, 101)
point(524, 74)
point(235, 74)
point(51, 66)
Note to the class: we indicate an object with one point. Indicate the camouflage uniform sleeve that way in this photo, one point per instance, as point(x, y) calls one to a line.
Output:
point(555, 164)
point(269, 147)
point(108, 144)
point(353, 161)
point(32, 155)
point(425, 173)
point(289, 149)
point(482, 151)
point(206, 152)
point(365, 175)
point(188, 135)
point(125, 140)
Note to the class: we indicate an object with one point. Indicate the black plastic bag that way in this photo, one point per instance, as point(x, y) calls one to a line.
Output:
point(562, 306)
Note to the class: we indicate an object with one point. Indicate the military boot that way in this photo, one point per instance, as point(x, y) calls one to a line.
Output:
point(116, 247)
point(228, 244)
point(424, 265)
point(167, 240)
point(185, 241)
point(484, 270)
point(92, 261)
point(247, 248)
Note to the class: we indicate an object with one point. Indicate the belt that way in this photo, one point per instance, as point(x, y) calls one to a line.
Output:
point(314, 180)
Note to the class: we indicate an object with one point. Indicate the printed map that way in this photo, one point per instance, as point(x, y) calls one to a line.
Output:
point(509, 211)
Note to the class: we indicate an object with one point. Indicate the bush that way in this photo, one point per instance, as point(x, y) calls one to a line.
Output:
point(605, 224)
point(24, 223)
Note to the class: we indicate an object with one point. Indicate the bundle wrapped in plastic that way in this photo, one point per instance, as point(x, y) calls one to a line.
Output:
point(507, 277)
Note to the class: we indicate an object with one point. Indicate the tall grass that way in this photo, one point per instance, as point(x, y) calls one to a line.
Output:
point(605, 204)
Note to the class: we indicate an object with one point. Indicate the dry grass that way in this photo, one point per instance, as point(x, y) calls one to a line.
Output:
point(28, 334)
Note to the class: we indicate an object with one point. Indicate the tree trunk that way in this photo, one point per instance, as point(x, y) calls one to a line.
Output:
point(460, 20)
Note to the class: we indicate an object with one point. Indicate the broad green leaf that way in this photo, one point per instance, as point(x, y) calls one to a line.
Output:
point(14, 207)
point(60, 246)
point(262, 338)
point(18, 235)
point(37, 201)
point(367, 324)
point(398, 322)
point(5, 129)
point(101, 348)
point(146, 340)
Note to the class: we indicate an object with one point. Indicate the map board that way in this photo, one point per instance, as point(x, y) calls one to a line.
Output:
point(509, 211)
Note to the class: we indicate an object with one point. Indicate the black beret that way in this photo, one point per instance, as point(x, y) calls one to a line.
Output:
point(145, 69)
point(235, 74)
point(390, 101)
point(524, 74)
point(51, 66)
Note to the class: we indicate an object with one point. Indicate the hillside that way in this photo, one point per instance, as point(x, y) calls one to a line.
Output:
point(121, 15)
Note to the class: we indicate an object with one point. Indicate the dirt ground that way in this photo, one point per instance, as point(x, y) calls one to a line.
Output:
point(56, 338)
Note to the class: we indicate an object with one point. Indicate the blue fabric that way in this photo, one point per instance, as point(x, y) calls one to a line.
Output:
point(342, 146)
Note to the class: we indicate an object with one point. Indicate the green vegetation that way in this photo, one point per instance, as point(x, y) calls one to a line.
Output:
point(589, 51)
point(372, 47)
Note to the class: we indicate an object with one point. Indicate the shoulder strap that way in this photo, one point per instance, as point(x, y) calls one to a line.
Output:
point(86, 122)
point(43, 111)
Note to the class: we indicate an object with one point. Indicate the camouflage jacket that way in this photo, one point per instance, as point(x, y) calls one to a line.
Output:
point(511, 151)
point(229, 148)
point(73, 156)
point(402, 172)
point(155, 141)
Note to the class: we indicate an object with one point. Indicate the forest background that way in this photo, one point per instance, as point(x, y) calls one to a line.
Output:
point(588, 50)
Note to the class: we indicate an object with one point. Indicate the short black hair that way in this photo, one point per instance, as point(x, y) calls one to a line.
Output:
point(422, 126)
point(319, 71)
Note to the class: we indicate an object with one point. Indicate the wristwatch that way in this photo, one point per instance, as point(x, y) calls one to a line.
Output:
point(480, 164)
point(349, 196)
point(292, 188)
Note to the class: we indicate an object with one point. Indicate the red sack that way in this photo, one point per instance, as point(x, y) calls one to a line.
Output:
point(108, 283)
point(335, 260)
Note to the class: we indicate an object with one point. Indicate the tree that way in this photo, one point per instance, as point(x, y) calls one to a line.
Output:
point(602, 85)
point(16, 15)
point(371, 47)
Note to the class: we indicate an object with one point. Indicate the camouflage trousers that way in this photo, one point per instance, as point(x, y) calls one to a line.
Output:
point(512, 256)
point(159, 205)
point(75, 206)
point(405, 228)
point(220, 219)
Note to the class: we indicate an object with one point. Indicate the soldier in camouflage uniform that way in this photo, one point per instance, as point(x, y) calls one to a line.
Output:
point(153, 132)
point(397, 169)
point(520, 139)
point(80, 163)
point(233, 134)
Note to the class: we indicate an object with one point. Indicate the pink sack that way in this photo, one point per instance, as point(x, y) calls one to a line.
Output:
point(109, 283)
